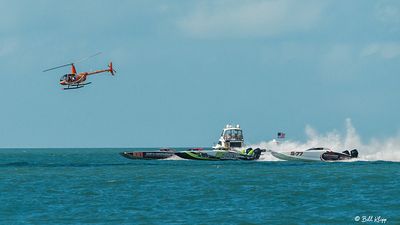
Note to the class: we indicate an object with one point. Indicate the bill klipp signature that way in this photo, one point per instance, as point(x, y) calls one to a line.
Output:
point(370, 219)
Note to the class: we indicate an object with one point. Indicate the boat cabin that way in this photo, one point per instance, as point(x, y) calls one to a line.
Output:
point(231, 137)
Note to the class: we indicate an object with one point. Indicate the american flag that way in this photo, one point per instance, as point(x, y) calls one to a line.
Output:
point(281, 135)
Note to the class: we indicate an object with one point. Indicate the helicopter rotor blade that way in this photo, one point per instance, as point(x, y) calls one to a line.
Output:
point(69, 64)
point(57, 67)
point(86, 58)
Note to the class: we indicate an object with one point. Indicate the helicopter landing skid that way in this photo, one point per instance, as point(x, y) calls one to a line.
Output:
point(76, 86)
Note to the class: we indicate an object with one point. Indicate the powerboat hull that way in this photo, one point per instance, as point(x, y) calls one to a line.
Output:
point(215, 155)
point(231, 138)
point(315, 154)
point(162, 154)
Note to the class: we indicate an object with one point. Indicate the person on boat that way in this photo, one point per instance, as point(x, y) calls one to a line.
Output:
point(248, 151)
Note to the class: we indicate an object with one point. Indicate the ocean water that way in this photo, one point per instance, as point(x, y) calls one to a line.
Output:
point(98, 186)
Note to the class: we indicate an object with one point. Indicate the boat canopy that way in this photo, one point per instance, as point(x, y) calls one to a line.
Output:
point(231, 137)
point(233, 134)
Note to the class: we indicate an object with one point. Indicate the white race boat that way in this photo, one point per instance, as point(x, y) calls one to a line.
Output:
point(316, 154)
point(231, 138)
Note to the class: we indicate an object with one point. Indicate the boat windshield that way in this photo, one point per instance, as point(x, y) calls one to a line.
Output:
point(233, 134)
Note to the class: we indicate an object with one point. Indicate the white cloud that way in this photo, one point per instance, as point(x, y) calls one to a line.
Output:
point(388, 13)
point(338, 62)
point(251, 18)
point(7, 46)
point(344, 61)
point(386, 50)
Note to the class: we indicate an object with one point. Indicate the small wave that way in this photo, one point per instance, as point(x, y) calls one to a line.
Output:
point(174, 157)
point(111, 181)
point(14, 164)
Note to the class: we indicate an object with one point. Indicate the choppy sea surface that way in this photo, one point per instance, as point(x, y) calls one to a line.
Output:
point(98, 186)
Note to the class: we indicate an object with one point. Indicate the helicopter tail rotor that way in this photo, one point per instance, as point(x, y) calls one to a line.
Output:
point(111, 69)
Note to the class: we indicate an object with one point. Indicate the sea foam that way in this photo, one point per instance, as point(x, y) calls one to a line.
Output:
point(387, 149)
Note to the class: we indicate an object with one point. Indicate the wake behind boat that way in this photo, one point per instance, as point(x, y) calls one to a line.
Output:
point(316, 154)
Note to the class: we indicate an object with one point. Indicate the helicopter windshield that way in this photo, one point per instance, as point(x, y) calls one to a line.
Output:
point(63, 77)
point(67, 77)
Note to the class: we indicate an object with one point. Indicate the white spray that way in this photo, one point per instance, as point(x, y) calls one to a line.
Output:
point(387, 149)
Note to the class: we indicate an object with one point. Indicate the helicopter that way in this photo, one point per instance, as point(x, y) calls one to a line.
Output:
point(76, 80)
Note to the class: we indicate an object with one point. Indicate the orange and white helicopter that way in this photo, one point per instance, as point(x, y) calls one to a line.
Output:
point(76, 80)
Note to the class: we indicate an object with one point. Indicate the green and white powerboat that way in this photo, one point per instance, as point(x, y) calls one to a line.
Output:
point(230, 146)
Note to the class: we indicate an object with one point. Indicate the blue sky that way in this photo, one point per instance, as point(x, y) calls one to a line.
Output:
point(187, 68)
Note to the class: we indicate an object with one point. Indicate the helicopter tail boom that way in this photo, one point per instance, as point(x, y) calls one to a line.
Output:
point(110, 69)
